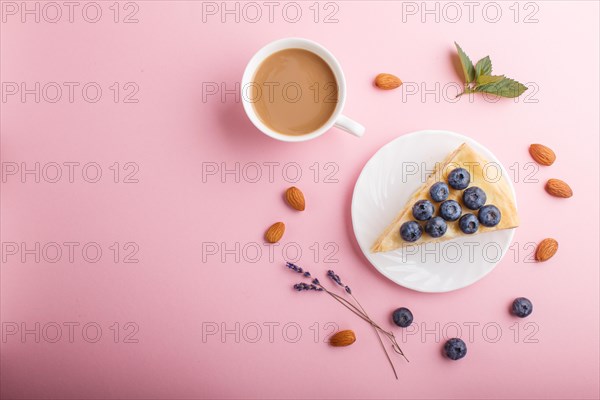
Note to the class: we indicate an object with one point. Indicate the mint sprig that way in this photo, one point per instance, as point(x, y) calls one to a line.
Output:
point(479, 78)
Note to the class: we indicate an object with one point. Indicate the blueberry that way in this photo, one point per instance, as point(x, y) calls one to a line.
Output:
point(459, 178)
point(450, 210)
point(436, 227)
point(522, 307)
point(455, 349)
point(468, 223)
point(411, 231)
point(489, 215)
point(402, 317)
point(474, 198)
point(423, 210)
point(439, 191)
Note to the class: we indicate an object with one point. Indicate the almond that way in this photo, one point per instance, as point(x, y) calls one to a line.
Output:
point(541, 154)
point(558, 188)
point(342, 338)
point(275, 232)
point(295, 198)
point(387, 81)
point(546, 249)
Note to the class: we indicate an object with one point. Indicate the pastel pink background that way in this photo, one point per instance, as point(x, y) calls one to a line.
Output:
point(171, 293)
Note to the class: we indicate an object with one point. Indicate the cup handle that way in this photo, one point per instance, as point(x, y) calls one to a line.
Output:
point(350, 126)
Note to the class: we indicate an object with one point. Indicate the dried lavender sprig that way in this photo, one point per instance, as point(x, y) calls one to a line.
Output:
point(305, 286)
point(361, 313)
point(352, 308)
point(376, 333)
point(376, 327)
point(297, 269)
point(336, 278)
point(340, 299)
point(390, 335)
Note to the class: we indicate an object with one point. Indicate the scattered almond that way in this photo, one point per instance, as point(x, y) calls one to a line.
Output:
point(546, 249)
point(558, 188)
point(342, 338)
point(541, 154)
point(295, 198)
point(275, 232)
point(387, 81)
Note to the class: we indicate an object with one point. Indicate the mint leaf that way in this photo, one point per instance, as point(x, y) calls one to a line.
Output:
point(487, 79)
point(479, 78)
point(483, 67)
point(467, 65)
point(504, 88)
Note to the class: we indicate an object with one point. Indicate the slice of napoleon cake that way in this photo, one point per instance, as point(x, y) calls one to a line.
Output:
point(457, 199)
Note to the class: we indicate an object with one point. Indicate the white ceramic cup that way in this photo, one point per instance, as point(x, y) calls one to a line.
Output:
point(336, 119)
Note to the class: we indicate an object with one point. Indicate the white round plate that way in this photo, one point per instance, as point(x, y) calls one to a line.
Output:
point(383, 188)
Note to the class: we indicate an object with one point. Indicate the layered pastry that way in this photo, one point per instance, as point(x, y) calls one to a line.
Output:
point(464, 195)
